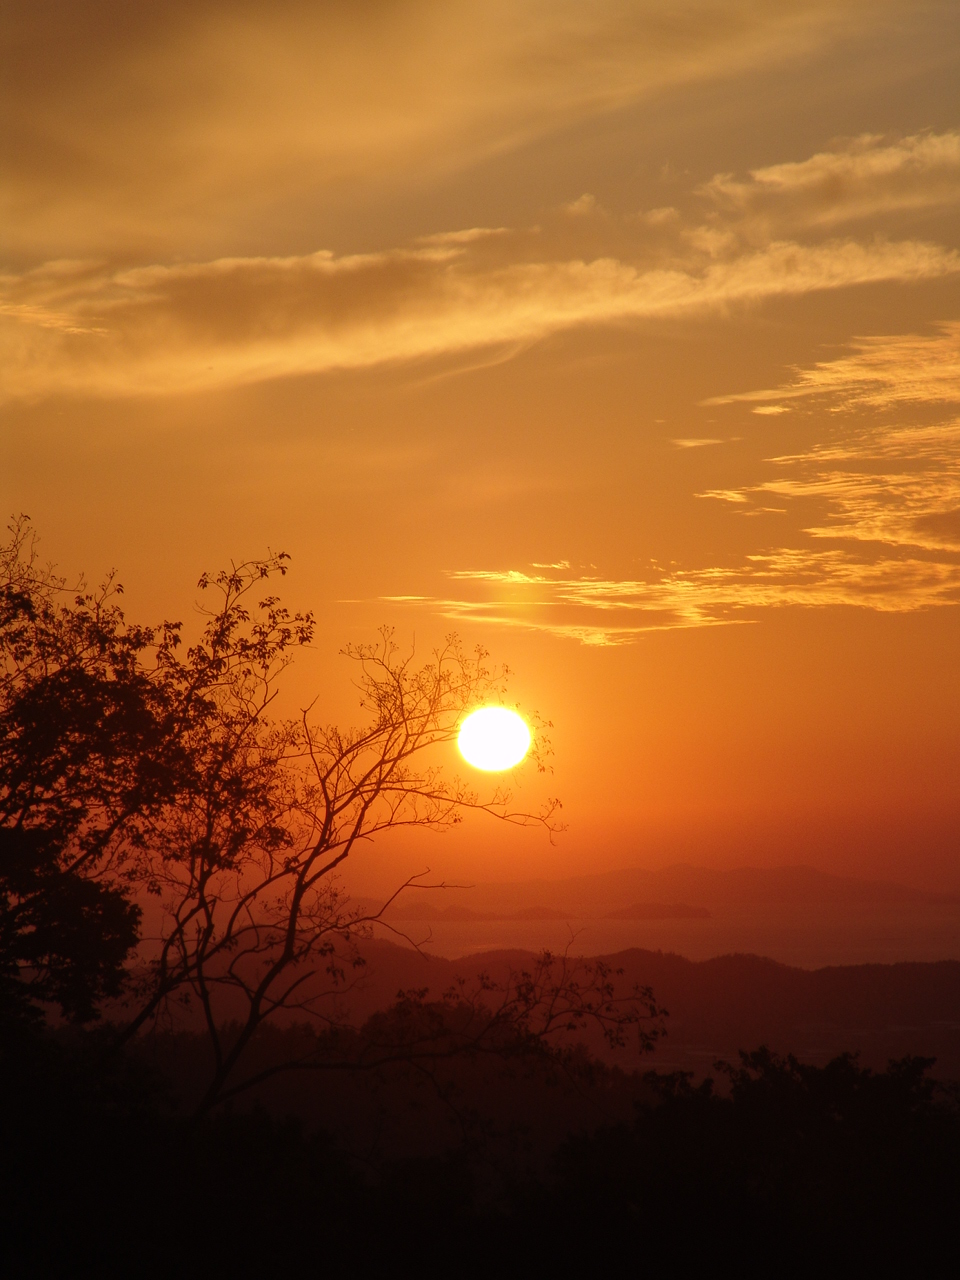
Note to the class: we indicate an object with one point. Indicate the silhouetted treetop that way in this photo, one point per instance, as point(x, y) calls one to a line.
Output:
point(133, 763)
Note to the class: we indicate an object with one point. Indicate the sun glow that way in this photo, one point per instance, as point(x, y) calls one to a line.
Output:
point(493, 739)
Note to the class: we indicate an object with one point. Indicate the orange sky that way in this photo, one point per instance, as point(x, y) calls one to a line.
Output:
point(623, 338)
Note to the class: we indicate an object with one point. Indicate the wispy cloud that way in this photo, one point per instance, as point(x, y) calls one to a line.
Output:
point(235, 115)
point(865, 178)
point(864, 500)
point(885, 535)
point(880, 372)
point(711, 596)
point(893, 484)
point(78, 328)
point(602, 612)
point(83, 327)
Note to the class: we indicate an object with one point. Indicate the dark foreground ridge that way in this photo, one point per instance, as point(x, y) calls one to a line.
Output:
point(512, 1158)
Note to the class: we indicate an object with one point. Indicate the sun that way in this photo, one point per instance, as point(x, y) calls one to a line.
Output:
point(493, 739)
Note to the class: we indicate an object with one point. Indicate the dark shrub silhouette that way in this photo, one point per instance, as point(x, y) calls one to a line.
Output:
point(791, 1163)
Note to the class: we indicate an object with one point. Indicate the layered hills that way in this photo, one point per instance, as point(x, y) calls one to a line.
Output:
point(719, 1006)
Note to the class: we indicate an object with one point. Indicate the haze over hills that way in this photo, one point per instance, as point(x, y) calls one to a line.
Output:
point(597, 894)
point(797, 915)
point(716, 1007)
point(719, 1006)
point(415, 908)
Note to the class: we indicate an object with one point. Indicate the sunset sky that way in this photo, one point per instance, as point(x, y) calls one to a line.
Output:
point(621, 337)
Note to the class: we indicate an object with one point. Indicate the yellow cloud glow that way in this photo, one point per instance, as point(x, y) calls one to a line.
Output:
point(75, 328)
point(866, 178)
point(888, 497)
point(880, 373)
point(148, 128)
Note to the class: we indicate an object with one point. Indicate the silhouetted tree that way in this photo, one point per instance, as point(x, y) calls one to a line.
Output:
point(131, 766)
point(538, 1014)
point(82, 771)
point(247, 861)
point(108, 741)
point(789, 1164)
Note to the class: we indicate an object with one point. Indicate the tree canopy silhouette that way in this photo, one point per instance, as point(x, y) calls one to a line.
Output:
point(82, 771)
point(133, 765)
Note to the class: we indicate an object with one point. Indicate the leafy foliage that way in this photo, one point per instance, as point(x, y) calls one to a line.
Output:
point(130, 767)
point(82, 771)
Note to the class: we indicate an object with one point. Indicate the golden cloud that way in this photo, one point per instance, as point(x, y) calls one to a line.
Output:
point(888, 498)
point(78, 328)
point(915, 506)
point(146, 127)
point(892, 484)
point(866, 178)
point(881, 372)
point(579, 607)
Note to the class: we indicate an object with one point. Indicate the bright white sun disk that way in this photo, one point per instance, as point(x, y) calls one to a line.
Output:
point(493, 739)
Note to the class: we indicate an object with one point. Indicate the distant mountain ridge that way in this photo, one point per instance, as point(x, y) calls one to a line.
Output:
point(716, 1006)
point(415, 908)
point(456, 913)
point(733, 1002)
point(685, 885)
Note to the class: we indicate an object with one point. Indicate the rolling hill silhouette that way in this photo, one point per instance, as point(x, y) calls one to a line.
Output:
point(720, 1006)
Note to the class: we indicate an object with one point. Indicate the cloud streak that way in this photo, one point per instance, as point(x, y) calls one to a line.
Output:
point(75, 328)
point(866, 178)
point(887, 536)
point(893, 484)
point(83, 327)
point(606, 612)
point(148, 127)
point(881, 373)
